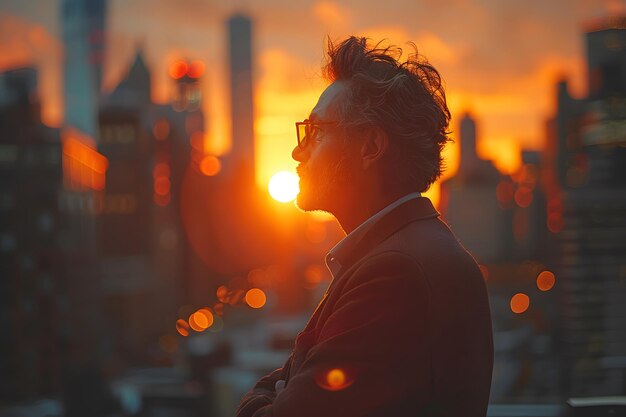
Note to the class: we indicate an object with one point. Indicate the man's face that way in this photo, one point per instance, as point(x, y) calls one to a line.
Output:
point(325, 170)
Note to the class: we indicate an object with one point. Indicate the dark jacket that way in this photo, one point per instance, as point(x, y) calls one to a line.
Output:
point(403, 330)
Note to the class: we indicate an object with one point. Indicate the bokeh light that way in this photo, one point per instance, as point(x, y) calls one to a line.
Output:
point(335, 379)
point(162, 185)
point(198, 327)
point(545, 280)
point(504, 193)
point(196, 69)
point(256, 298)
point(524, 196)
point(283, 186)
point(222, 293)
point(555, 214)
point(210, 165)
point(161, 170)
point(178, 69)
point(555, 222)
point(182, 327)
point(520, 303)
point(203, 318)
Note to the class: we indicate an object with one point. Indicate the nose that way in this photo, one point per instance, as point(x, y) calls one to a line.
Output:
point(297, 154)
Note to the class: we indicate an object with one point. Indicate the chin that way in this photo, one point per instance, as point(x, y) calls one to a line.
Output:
point(307, 202)
point(304, 203)
point(322, 196)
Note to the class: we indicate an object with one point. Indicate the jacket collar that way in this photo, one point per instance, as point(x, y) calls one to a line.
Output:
point(412, 210)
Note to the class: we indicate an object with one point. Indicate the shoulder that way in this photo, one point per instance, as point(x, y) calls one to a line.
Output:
point(431, 245)
point(379, 290)
point(423, 255)
point(386, 263)
point(385, 274)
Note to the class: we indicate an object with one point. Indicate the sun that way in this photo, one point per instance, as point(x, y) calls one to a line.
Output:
point(283, 186)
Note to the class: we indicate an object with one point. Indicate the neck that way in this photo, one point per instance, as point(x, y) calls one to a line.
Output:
point(357, 211)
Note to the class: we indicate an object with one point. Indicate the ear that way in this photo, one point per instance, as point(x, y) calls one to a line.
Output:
point(374, 146)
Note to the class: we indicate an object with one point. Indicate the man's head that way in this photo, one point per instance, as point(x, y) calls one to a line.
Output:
point(380, 126)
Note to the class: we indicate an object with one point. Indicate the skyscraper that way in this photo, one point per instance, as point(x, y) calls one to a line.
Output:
point(241, 158)
point(470, 204)
point(590, 138)
point(32, 289)
point(83, 32)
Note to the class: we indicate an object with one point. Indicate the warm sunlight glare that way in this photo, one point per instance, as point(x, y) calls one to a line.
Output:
point(283, 186)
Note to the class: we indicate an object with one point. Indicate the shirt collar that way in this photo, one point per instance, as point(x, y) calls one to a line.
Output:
point(347, 243)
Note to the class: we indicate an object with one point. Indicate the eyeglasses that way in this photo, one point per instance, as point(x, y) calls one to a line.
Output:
point(308, 131)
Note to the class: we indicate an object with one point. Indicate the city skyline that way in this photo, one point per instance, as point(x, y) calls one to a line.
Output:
point(136, 246)
point(504, 79)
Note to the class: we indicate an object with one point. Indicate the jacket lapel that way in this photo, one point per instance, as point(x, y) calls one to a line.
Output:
point(408, 212)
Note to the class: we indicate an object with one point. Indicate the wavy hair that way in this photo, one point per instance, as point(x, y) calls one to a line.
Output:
point(406, 100)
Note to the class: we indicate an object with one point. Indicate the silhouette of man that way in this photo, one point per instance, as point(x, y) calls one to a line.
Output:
point(404, 328)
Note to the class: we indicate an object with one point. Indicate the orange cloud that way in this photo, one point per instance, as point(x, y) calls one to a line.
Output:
point(331, 14)
point(17, 49)
point(437, 50)
point(615, 7)
point(514, 117)
point(392, 34)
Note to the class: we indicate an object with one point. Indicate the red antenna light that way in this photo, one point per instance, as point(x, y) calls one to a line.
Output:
point(196, 69)
point(179, 69)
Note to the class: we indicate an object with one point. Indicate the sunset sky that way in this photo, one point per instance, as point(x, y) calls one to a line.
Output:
point(499, 58)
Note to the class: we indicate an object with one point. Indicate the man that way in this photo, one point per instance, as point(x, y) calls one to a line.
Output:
point(404, 328)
